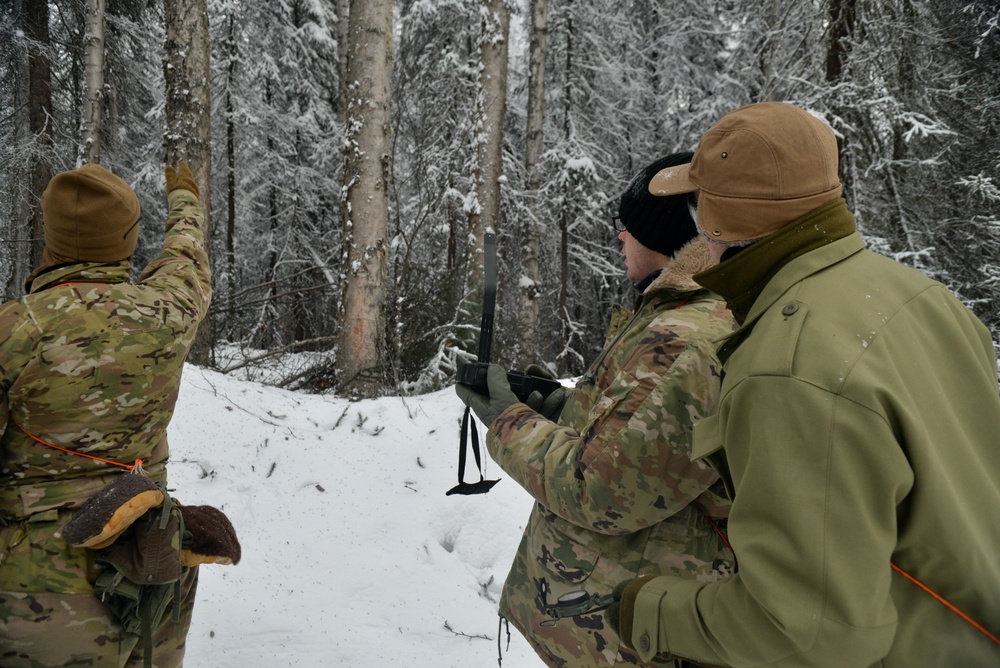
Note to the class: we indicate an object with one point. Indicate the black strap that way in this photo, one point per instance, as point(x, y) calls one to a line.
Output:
point(483, 486)
point(503, 620)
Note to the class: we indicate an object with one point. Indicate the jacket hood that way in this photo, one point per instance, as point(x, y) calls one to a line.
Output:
point(693, 258)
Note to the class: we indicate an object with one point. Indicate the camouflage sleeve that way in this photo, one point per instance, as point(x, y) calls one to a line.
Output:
point(182, 266)
point(15, 344)
point(630, 466)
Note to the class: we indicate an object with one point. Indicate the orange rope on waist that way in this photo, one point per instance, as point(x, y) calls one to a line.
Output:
point(130, 467)
point(946, 603)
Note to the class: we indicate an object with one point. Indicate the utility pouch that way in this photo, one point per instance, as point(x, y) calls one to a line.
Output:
point(143, 572)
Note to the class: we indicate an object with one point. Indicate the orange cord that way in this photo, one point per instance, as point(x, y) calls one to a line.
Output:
point(941, 599)
point(946, 603)
point(130, 467)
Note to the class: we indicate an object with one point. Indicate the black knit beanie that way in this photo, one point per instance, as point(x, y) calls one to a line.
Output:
point(662, 224)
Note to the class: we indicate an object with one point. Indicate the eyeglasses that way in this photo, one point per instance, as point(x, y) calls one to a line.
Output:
point(617, 223)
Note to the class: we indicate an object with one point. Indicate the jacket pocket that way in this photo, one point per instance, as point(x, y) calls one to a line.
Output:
point(685, 545)
point(559, 556)
point(609, 414)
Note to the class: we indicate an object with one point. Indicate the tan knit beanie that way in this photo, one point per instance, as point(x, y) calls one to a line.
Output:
point(90, 216)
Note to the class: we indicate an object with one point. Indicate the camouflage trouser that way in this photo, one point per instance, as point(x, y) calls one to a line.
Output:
point(49, 615)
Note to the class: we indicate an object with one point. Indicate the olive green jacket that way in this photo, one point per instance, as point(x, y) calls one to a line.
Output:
point(860, 419)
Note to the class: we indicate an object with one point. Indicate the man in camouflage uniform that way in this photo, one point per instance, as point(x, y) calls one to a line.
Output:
point(92, 364)
point(618, 495)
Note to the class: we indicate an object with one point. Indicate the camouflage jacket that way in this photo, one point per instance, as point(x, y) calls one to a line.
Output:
point(614, 480)
point(92, 363)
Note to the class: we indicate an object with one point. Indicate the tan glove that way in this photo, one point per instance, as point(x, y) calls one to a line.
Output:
point(209, 537)
point(181, 179)
point(107, 514)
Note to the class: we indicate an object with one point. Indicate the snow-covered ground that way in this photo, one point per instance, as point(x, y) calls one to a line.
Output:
point(352, 554)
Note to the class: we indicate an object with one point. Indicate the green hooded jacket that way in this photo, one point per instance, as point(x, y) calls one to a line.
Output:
point(860, 419)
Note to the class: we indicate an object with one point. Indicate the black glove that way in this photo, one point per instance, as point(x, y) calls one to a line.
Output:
point(489, 407)
point(181, 178)
point(620, 613)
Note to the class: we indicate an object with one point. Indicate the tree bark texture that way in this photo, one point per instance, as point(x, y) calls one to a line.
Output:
point(39, 116)
point(189, 115)
point(565, 213)
point(361, 349)
point(231, 160)
point(343, 41)
point(93, 80)
point(841, 30)
point(534, 143)
point(492, 105)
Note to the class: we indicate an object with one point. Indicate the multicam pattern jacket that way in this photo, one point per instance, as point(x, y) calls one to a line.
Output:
point(92, 363)
point(618, 494)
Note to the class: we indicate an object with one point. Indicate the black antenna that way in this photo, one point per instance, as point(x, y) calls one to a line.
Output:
point(489, 296)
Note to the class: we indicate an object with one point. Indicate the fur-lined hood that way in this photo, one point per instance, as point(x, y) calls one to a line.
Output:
point(693, 258)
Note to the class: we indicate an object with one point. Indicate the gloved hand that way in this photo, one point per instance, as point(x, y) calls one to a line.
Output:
point(539, 371)
point(489, 407)
point(181, 178)
point(107, 514)
point(551, 406)
point(621, 613)
point(209, 537)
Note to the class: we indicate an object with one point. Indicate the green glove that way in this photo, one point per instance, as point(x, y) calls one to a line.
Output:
point(489, 407)
point(621, 613)
point(539, 371)
point(181, 179)
point(551, 406)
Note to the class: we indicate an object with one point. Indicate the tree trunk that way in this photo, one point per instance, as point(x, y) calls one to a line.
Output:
point(343, 42)
point(531, 285)
point(189, 115)
point(492, 104)
point(360, 363)
point(39, 116)
point(93, 81)
point(841, 29)
point(842, 13)
point(231, 162)
point(343, 90)
point(567, 199)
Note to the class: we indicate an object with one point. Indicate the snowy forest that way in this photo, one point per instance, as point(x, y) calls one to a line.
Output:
point(354, 153)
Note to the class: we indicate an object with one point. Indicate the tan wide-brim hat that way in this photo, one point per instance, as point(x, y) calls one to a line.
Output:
point(90, 215)
point(756, 170)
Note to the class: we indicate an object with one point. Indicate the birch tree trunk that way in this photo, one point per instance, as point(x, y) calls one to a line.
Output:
point(361, 343)
point(189, 116)
point(39, 116)
point(343, 46)
point(492, 104)
point(93, 81)
point(233, 52)
point(534, 143)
